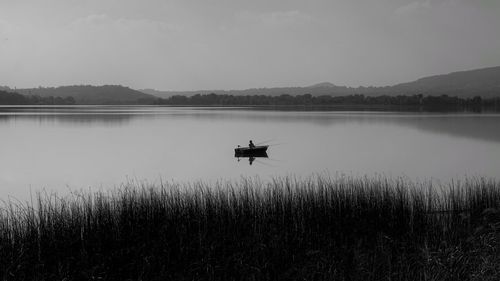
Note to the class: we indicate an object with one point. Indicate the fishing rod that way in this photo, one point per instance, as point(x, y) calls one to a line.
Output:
point(263, 163)
point(275, 144)
point(263, 142)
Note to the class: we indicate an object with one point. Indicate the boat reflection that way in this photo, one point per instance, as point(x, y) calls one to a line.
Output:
point(251, 156)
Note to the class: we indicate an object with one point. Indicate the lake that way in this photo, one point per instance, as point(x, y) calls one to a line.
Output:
point(71, 148)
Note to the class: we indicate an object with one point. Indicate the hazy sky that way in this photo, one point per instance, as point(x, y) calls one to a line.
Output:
point(232, 44)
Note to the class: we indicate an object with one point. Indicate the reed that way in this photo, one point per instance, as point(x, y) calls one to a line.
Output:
point(319, 228)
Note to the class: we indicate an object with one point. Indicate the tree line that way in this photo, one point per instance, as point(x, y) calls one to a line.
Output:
point(308, 99)
point(212, 99)
point(11, 98)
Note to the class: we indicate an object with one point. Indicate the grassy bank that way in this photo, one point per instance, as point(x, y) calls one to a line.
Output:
point(313, 229)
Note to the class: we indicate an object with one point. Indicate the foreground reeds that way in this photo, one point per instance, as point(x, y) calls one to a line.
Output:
point(314, 229)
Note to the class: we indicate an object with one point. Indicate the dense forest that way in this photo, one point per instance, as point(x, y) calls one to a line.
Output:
point(442, 101)
point(10, 98)
point(309, 100)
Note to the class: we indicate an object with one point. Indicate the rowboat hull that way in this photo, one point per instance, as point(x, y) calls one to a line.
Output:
point(262, 154)
point(251, 151)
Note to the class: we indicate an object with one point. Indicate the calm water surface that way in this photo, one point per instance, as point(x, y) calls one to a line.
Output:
point(70, 148)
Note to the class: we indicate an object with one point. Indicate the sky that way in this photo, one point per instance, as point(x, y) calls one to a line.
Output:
point(234, 44)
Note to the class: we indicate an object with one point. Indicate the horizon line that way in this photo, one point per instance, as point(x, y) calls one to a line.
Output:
point(252, 88)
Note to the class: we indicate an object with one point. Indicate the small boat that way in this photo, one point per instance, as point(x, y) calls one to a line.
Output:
point(257, 150)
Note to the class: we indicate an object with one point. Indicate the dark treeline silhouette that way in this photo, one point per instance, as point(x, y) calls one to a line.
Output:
point(10, 98)
point(411, 101)
point(88, 94)
point(51, 100)
point(325, 100)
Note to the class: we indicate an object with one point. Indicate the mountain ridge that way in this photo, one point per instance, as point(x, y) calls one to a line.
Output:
point(484, 82)
point(89, 94)
point(468, 83)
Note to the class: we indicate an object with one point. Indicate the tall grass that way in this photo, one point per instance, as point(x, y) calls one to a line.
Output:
point(319, 228)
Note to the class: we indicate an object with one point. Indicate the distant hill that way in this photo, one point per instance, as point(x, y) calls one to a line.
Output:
point(323, 85)
point(465, 84)
point(317, 91)
point(480, 82)
point(85, 94)
point(483, 82)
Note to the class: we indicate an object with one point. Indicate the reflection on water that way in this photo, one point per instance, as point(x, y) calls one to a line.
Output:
point(73, 119)
point(472, 125)
point(75, 147)
point(251, 156)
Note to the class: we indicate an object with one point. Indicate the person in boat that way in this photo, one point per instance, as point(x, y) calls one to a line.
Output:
point(251, 145)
